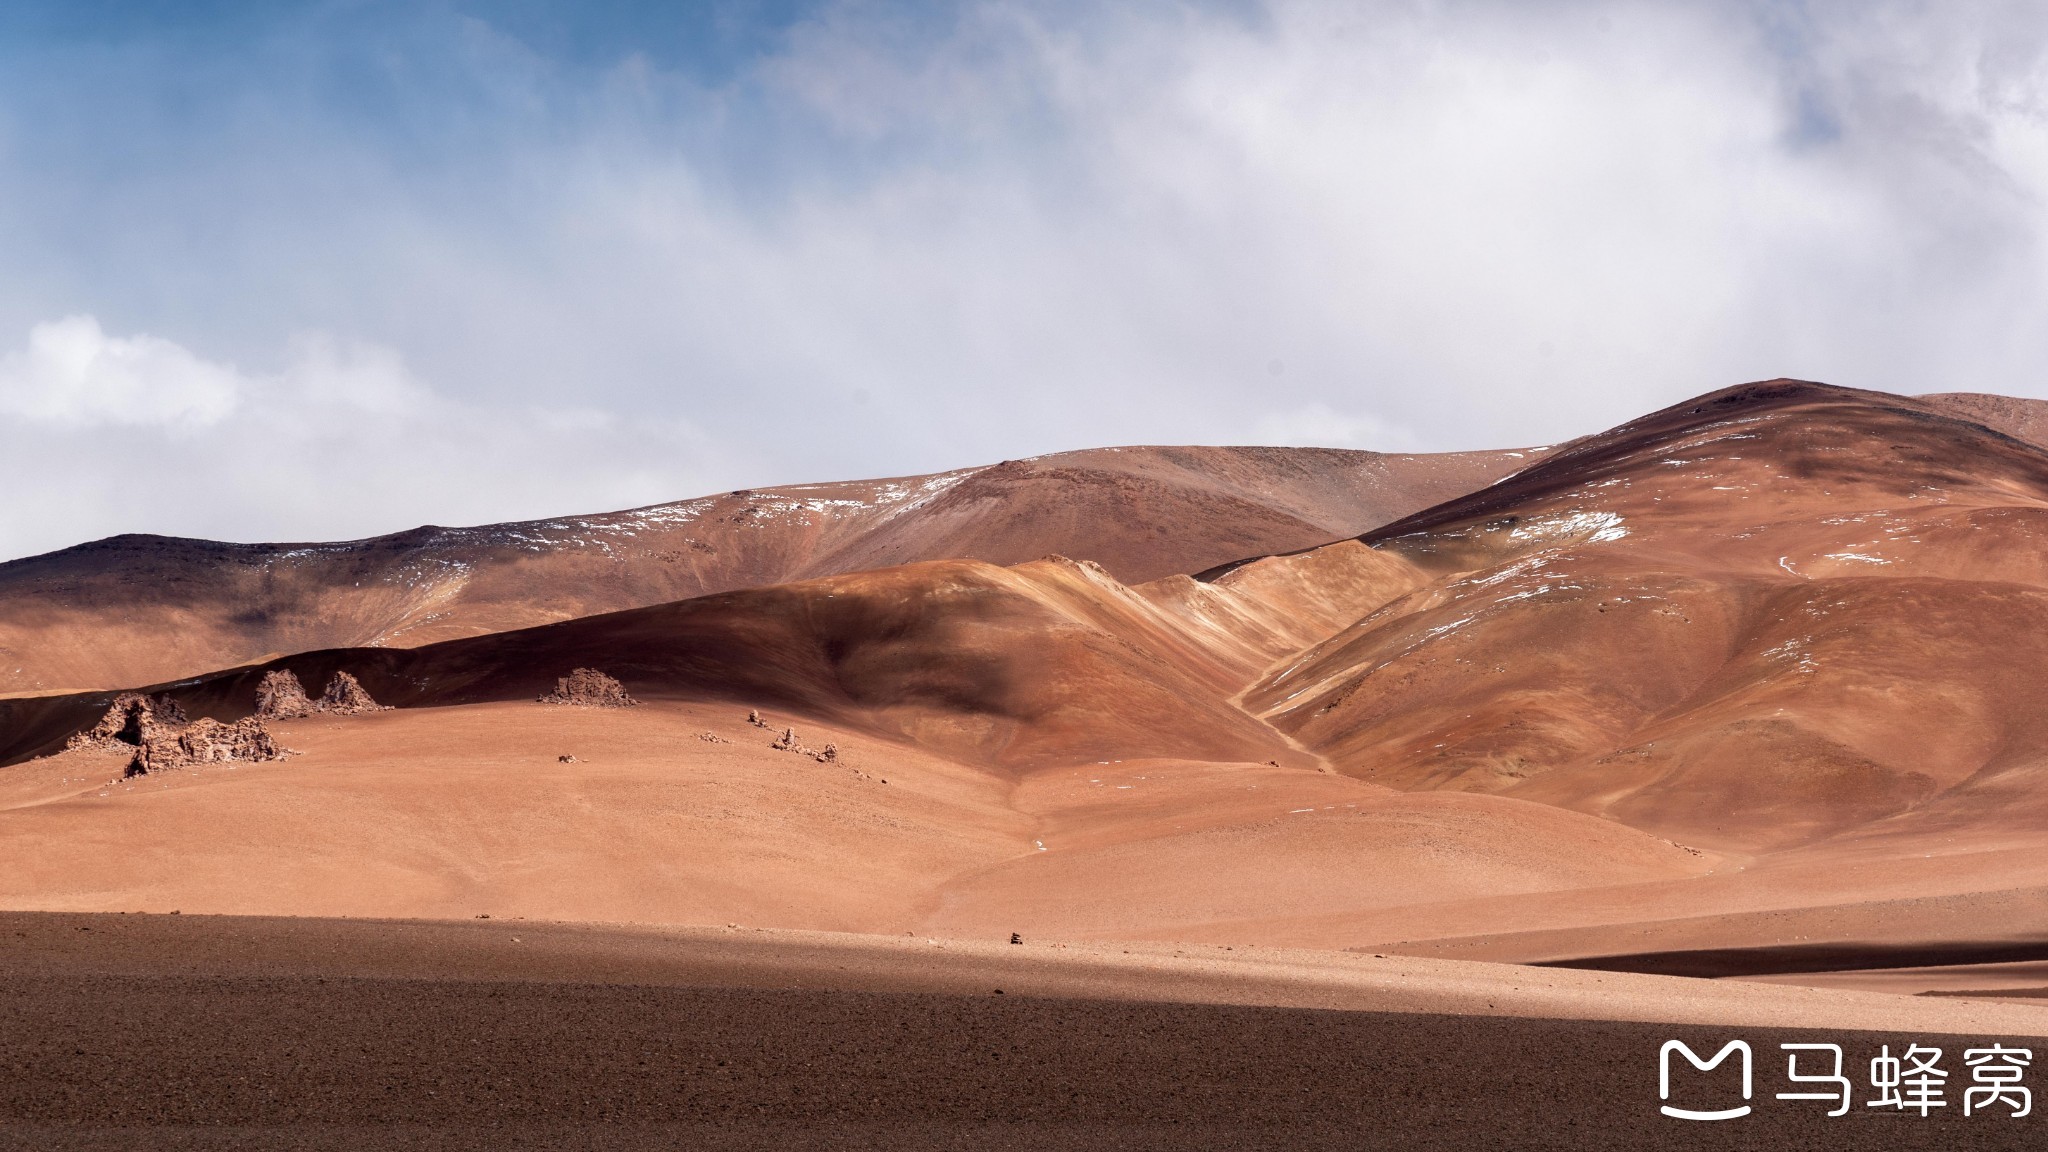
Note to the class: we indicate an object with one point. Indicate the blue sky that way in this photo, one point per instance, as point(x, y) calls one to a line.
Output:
point(475, 261)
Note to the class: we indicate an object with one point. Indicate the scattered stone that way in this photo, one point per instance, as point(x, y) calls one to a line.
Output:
point(1016, 938)
point(345, 697)
point(565, 758)
point(712, 738)
point(281, 697)
point(754, 718)
point(788, 742)
point(589, 688)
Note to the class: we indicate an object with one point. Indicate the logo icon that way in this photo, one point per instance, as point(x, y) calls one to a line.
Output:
point(1664, 1078)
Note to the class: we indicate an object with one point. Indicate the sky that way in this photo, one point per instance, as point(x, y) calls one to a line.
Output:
point(290, 270)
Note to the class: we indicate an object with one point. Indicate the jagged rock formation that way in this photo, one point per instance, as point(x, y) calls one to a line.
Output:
point(345, 697)
point(754, 718)
point(129, 722)
point(281, 697)
point(205, 741)
point(589, 688)
point(159, 735)
point(787, 741)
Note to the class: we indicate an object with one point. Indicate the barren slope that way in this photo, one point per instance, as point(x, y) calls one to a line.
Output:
point(1045, 662)
point(1767, 616)
point(968, 705)
point(1744, 674)
point(2017, 416)
point(135, 609)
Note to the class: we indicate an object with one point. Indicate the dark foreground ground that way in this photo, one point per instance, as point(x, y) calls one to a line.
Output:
point(235, 1060)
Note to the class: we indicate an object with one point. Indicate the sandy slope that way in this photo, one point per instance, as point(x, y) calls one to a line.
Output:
point(468, 810)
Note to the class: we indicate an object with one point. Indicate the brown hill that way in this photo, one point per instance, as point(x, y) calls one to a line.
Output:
point(1749, 670)
point(2016, 416)
point(1768, 615)
point(136, 609)
point(1046, 662)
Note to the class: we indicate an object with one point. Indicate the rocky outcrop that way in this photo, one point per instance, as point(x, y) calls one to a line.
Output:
point(281, 697)
point(206, 741)
point(129, 721)
point(345, 697)
point(156, 734)
point(589, 688)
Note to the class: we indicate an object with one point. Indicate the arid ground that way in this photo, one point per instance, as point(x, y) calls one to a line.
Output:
point(1334, 800)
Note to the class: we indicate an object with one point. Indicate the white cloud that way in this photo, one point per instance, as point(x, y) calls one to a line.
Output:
point(107, 434)
point(900, 245)
point(74, 375)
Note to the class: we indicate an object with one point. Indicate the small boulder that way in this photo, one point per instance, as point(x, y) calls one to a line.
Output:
point(345, 696)
point(589, 688)
point(281, 697)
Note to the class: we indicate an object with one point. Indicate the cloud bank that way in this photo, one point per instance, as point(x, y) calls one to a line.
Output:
point(138, 433)
point(600, 263)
